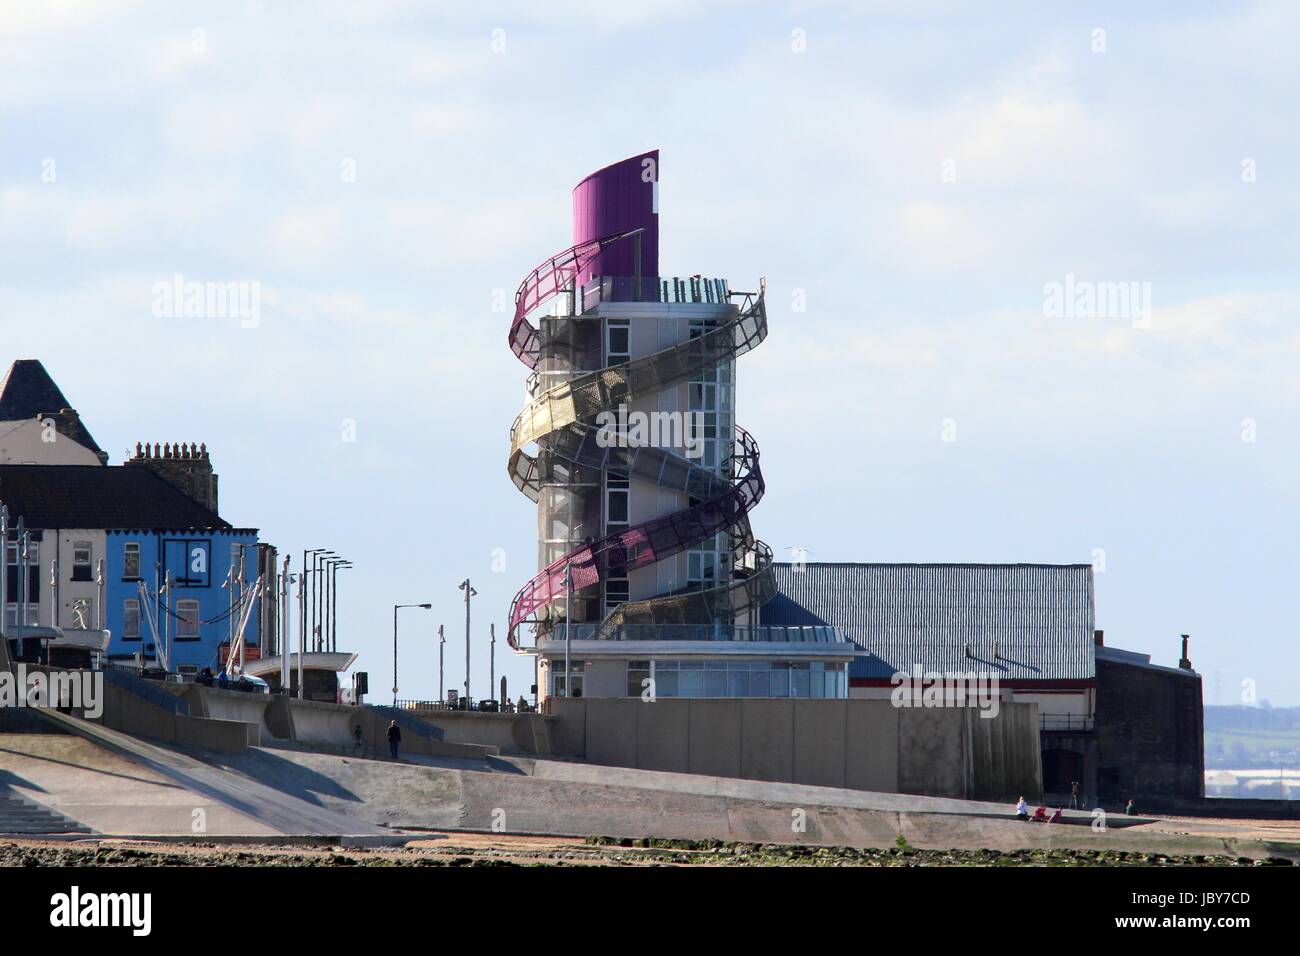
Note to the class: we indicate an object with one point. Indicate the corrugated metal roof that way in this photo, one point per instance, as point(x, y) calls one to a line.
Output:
point(1021, 621)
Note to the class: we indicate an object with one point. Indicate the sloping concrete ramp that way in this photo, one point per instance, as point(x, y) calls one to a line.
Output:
point(275, 809)
point(109, 793)
point(568, 799)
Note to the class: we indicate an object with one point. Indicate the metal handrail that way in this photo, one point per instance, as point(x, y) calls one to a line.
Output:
point(1065, 722)
point(779, 634)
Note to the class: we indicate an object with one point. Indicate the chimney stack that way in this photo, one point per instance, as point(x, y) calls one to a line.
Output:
point(185, 466)
point(1099, 638)
point(1185, 662)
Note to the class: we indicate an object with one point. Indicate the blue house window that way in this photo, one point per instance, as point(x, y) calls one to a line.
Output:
point(131, 620)
point(189, 561)
point(131, 561)
point(187, 625)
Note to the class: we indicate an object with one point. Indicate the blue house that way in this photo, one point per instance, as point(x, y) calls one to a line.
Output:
point(139, 522)
point(202, 611)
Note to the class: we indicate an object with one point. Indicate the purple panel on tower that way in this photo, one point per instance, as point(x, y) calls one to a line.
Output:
point(620, 197)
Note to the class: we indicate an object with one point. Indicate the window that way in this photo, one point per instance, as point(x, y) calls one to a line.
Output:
point(739, 678)
point(188, 560)
point(131, 561)
point(14, 585)
point(617, 592)
point(617, 516)
point(131, 620)
point(638, 672)
point(617, 341)
point(81, 558)
point(557, 676)
point(702, 566)
point(709, 402)
point(187, 625)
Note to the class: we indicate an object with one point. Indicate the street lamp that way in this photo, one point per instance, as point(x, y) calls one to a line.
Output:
point(396, 608)
point(469, 593)
point(315, 596)
point(332, 627)
point(326, 563)
point(329, 599)
point(303, 622)
point(568, 628)
point(442, 645)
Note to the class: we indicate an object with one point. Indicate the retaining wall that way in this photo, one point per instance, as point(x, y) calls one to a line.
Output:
point(856, 743)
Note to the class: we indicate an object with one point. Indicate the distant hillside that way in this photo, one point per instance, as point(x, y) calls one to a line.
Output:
point(1244, 738)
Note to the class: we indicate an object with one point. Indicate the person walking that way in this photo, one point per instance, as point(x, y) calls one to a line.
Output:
point(1074, 795)
point(394, 738)
point(356, 735)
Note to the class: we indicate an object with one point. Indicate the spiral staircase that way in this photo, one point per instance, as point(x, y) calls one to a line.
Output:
point(560, 420)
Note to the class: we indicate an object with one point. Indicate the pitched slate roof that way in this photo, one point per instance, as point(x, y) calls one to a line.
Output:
point(100, 497)
point(1021, 621)
point(27, 391)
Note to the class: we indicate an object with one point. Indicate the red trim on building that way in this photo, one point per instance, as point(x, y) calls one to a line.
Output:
point(1032, 686)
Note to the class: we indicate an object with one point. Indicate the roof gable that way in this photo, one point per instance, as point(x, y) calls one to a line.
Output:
point(27, 391)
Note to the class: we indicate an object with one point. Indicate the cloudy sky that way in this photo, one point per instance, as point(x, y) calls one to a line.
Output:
point(909, 178)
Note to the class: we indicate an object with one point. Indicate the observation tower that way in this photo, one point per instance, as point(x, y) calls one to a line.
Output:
point(650, 575)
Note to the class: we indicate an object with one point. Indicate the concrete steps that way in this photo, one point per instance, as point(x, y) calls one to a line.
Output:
point(22, 817)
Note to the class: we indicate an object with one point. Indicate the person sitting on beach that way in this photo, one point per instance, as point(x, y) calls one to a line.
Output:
point(1022, 810)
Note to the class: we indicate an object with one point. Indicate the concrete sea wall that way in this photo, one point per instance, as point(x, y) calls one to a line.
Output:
point(855, 743)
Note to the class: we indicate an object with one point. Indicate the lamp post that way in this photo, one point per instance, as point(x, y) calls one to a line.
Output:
point(396, 608)
point(332, 626)
point(4, 579)
point(302, 627)
point(469, 593)
point(304, 619)
point(329, 600)
point(20, 551)
point(442, 645)
point(282, 626)
point(568, 627)
point(316, 567)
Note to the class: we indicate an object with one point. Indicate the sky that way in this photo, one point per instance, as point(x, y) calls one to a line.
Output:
point(914, 182)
